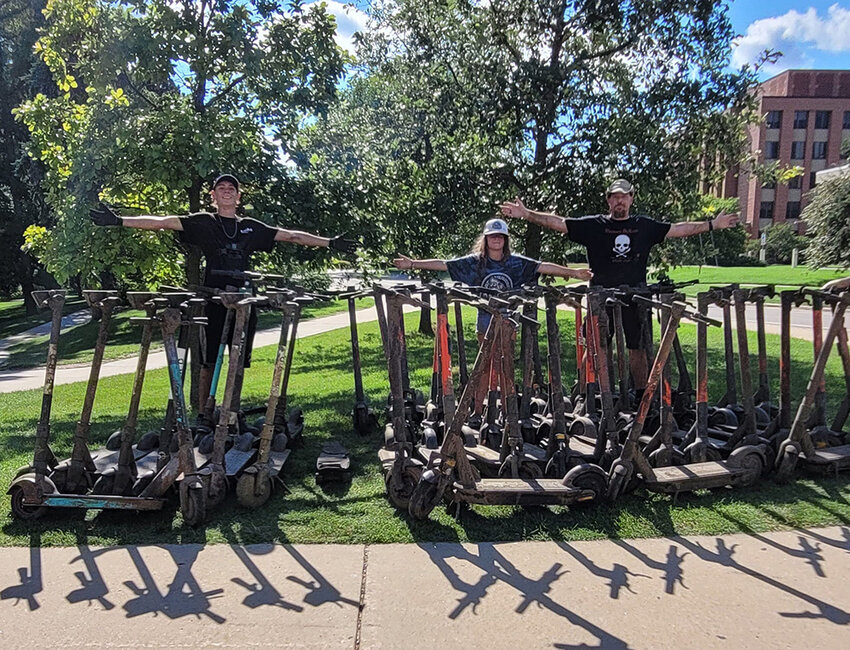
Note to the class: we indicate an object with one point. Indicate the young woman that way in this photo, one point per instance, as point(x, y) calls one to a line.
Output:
point(491, 264)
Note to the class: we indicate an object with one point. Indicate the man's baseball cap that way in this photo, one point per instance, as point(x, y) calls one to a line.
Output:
point(230, 178)
point(622, 186)
point(496, 227)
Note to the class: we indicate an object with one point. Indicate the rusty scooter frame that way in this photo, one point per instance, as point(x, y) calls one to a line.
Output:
point(744, 466)
point(451, 468)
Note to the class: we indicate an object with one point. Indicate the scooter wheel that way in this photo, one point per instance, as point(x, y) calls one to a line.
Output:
point(751, 461)
point(250, 493)
point(105, 484)
point(260, 422)
point(205, 446)
point(113, 442)
point(244, 442)
point(399, 495)
point(589, 480)
point(148, 441)
point(425, 496)
point(193, 504)
point(530, 471)
point(21, 511)
point(618, 479)
point(786, 462)
point(280, 442)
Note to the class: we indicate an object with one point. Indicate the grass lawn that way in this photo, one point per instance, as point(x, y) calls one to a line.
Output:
point(14, 319)
point(77, 343)
point(784, 277)
point(359, 513)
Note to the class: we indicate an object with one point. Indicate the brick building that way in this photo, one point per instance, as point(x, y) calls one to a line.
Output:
point(806, 116)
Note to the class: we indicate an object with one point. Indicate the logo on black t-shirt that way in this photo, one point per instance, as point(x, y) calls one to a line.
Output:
point(498, 282)
point(622, 245)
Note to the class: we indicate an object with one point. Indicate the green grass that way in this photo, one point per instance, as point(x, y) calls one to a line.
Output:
point(14, 319)
point(322, 385)
point(76, 344)
point(784, 277)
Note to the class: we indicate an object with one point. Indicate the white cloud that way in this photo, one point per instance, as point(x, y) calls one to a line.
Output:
point(795, 34)
point(349, 21)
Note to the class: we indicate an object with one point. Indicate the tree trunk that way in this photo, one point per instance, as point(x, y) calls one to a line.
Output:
point(193, 276)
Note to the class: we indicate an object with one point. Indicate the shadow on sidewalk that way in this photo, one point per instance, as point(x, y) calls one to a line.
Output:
point(497, 568)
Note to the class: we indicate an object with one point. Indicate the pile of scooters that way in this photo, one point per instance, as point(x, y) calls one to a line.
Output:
point(539, 440)
point(542, 443)
point(202, 461)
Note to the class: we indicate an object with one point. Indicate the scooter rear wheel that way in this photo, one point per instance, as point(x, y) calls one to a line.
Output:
point(590, 480)
point(21, 511)
point(253, 494)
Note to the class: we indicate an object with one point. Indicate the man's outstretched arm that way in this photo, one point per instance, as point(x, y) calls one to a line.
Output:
point(104, 215)
point(689, 228)
point(516, 210)
point(338, 243)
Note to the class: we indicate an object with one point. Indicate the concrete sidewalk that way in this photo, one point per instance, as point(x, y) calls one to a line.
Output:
point(778, 590)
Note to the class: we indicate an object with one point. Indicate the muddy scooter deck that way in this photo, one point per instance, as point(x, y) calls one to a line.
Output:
point(517, 491)
point(711, 474)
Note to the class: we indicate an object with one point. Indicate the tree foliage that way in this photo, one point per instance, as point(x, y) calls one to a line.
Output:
point(827, 218)
point(156, 97)
point(21, 201)
point(461, 104)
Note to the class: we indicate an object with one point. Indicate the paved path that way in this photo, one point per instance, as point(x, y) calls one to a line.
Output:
point(778, 590)
point(70, 320)
point(29, 378)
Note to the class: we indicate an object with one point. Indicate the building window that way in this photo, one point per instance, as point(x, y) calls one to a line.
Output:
point(798, 150)
point(846, 124)
point(792, 210)
point(766, 210)
point(822, 119)
point(774, 119)
point(795, 183)
point(771, 150)
point(813, 179)
point(818, 150)
point(769, 185)
point(801, 119)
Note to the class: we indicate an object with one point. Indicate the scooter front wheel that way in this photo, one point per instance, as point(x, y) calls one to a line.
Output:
point(251, 492)
point(193, 504)
point(399, 489)
point(425, 496)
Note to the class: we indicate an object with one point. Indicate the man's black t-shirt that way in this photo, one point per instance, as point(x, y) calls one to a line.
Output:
point(617, 250)
point(226, 243)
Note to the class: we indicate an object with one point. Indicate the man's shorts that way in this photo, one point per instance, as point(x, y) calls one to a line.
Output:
point(211, 334)
point(632, 326)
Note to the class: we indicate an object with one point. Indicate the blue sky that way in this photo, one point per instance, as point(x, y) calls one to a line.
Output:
point(809, 33)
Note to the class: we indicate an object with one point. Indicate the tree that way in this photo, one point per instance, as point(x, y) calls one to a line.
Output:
point(827, 218)
point(21, 202)
point(156, 97)
point(780, 241)
point(548, 100)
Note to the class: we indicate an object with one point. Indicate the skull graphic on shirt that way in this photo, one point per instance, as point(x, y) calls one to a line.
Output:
point(622, 246)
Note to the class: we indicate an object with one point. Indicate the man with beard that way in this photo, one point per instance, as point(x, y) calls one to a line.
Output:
point(618, 246)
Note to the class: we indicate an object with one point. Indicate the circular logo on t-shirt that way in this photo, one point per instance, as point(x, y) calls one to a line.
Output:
point(497, 282)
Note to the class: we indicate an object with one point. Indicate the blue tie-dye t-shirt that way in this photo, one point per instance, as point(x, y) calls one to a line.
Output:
point(501, 275)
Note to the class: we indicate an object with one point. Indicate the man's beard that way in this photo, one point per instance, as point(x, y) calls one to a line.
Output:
point(619, 213)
